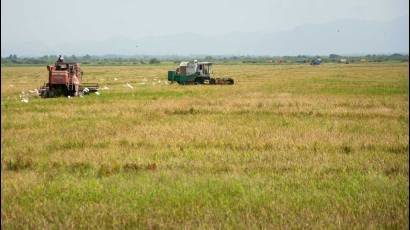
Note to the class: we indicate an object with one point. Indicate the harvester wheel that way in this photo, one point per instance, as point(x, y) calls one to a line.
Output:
point(49, 93)
point(198, 81)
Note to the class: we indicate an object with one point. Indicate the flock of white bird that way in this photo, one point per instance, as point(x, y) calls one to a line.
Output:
point(24, 96)
point(144, 81)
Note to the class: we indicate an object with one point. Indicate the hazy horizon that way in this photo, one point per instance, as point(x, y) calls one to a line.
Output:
point(183, 27)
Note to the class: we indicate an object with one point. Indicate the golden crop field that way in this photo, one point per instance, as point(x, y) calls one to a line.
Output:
point(287, 146)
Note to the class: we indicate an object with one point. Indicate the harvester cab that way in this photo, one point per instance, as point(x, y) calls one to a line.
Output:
point(196, 73)
point(65, 79)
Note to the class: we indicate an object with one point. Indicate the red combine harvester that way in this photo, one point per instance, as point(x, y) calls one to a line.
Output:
point(64, 79)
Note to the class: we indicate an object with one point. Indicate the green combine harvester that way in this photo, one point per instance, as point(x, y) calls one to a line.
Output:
point(196, 73)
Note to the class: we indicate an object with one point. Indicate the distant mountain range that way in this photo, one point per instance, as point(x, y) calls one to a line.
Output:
point(341, 37)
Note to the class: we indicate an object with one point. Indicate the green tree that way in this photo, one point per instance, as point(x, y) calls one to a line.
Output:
point(154, 61)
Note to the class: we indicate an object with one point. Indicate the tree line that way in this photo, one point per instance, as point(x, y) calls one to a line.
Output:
point(13, 59)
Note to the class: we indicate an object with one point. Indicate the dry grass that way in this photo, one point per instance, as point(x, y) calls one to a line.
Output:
point(290, 146)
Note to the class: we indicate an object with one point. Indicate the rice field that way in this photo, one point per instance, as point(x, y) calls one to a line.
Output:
point(287, 146)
